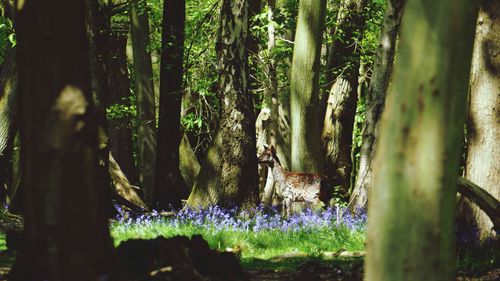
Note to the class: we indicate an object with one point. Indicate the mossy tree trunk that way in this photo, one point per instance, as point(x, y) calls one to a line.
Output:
point(483, 119)
point(342, 73)
point(66, 232)
point(144, 90)
point(375, 100)
point(304, 87)
point(228, 174)
point(412, 203)
point(170, 187)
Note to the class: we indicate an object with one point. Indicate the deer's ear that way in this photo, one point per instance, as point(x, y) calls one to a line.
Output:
point(272, 149)
point(266, 146)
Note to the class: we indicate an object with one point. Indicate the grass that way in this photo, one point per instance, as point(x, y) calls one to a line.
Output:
point(259, 237)
point(264, 240)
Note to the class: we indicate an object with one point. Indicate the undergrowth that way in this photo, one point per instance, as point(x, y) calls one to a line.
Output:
point(257, 234)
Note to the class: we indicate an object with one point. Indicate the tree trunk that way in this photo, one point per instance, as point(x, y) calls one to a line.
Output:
point(254, 8)
point(8, 122)
point(375, 100)
point(98, 33)
point(144, 90)
point(188, 164)
point(170, 187)
point(272, 134)
point(483, 119)
point(343, 72)
point(228, 175)
point(9, 116)
point(412, 203)
point(119, 124)
point(66, 232)
point(123, 188)
point(304, 87)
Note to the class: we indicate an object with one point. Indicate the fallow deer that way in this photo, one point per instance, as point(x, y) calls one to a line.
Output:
point(296, 187)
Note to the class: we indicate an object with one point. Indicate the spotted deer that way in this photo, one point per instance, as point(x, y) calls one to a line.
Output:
point(296, 187)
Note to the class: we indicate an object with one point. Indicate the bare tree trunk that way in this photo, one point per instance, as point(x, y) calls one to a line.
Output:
point(144, 90)
point(8, 122)
point(375, 100)
point(229, 173)
point(122, 186)
point(483, 123)
point(189, 165)
point(412, 203)
point(170, 187)
point(66, 232)
point(254, 8)
point(120, 126)
point(304, 87)
point(342, 72)
point(274, 111)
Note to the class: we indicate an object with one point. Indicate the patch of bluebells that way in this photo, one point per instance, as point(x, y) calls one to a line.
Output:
point(255, 220)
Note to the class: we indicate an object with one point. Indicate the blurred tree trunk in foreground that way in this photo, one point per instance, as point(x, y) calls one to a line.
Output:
point(144, 90)
point(228, 175)
point(375, 100)
point(412, 203)
point(483, 120)
point(304, 87)
point(170, 187)
point(66, 233)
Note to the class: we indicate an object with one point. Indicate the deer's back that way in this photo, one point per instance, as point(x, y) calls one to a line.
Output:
point(306, 186)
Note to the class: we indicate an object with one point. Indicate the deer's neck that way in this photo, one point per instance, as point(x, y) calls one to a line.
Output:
point(278, 172)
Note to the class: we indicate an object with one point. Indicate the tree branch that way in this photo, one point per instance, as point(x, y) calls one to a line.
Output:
point(485, 201)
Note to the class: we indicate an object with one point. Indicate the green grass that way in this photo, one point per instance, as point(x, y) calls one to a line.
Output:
point(3, 242)
point(254, 246)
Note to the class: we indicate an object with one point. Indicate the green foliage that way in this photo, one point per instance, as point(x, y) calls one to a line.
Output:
point(127, 110)
point(7, 36)
point(374, 15)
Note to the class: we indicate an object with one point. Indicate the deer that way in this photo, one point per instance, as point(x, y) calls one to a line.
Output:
point(296, 187)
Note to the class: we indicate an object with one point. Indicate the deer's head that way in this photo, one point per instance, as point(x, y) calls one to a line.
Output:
point(268, 156)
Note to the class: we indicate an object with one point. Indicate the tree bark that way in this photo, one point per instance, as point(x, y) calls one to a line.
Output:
point(8, 122)
point(483, 119)
point(375, 100)
point(144, 90)
point(66, 232)
point(170, 187)
point(123, 188)
point(304, 87)
point(269, 131)
point(412, 203)
point(98, 33)
point(228, 175)
point(254, 8)
point(189, 165)
point(342, 72)
point(120, 126)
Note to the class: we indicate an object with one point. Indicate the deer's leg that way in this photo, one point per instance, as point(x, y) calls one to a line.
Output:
point(286, 207)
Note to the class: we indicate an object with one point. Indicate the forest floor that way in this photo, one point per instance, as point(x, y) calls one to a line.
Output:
point(296, 269)
point(351, 270)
